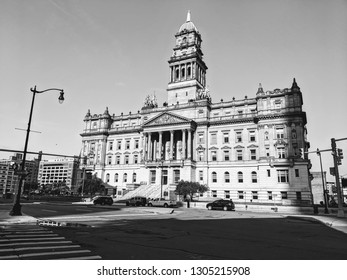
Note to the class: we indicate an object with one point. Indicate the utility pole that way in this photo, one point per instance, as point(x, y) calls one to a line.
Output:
point(337, 159)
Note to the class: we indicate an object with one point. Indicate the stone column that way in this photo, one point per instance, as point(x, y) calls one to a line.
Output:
point(171, 143)
point(189, 144)
point(184, 144)
point(149, 147)
point(144, 144)
point(160, 144)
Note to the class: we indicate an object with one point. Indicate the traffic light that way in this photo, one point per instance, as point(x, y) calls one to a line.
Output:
point(39, 158)
point(339, 156)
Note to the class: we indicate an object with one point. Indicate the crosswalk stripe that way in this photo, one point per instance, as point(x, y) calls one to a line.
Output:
point(52, 253)
point(35, 243)
point(39, 248)
point(28, 239)
point(28, 235)
point(96, 257)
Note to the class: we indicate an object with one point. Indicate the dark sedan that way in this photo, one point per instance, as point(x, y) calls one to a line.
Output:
point(221, 204)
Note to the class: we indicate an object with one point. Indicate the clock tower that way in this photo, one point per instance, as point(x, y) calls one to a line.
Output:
point(187, 69)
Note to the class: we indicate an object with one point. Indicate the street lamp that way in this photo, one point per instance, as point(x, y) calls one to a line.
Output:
point(16, 209)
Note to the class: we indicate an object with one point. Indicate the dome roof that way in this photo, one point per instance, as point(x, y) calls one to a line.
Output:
point(188, 25)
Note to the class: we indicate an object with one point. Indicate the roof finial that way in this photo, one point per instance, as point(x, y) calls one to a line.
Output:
point(188, 16)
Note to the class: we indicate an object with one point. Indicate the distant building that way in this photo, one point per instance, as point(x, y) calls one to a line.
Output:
point(9, 179)
point(317, 187)
point(250, 149)
point(61, 171)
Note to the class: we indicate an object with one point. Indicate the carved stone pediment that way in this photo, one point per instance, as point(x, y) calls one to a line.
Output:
point(167, 118)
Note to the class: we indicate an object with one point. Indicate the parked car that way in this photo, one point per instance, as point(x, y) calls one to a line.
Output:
point(162, 202)
point(221, 204)
point(136, 201)
point(102, 200)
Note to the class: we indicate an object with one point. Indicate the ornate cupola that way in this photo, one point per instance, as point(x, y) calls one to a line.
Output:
point(187, 69)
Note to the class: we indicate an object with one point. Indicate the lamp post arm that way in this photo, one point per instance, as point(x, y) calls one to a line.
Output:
point(37, 91)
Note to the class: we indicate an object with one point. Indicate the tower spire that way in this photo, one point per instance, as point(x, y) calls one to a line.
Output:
point(188, 16)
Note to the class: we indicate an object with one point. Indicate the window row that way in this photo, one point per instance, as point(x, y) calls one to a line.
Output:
point(240, 136)
point(118, 144)
point(282, 176)
point(254, 195)
point(125, 178)
point(126, 159)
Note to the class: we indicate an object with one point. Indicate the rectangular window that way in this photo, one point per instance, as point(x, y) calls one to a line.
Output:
point(109, 160)
point(269, 195)
point(119, 144)
point(254, 195)
point(201, 138)
point(127, 144)
point(201, 155)
point(240, 194)
point(226, 155)
point(252, 136)
point(284, 195)
point(226, 137)
point(176, 176)
point(126, 159)
point(239, 155)
point(137, 143)
point(282, 176)
point(267, 152)
point(296, 172)
point(214, 155)
point(117, 159)
point(201, 175)
point(110, 147)
point(153, 175)
point(281, 152)
point(227, 194)
point(238, 136)
point(214, 193)
point(253, 154)
point(136, 159)
point(279, 133)
point(213, 138)
point(269, 173)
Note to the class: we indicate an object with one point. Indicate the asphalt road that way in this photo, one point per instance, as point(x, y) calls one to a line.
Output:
point(143, 233)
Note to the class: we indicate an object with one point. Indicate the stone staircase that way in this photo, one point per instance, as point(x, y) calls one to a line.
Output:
point(149, 191)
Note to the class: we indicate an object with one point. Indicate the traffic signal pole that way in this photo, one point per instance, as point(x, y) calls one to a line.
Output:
point(340, 212)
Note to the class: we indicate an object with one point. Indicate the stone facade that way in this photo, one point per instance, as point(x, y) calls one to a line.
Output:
point(248, 150)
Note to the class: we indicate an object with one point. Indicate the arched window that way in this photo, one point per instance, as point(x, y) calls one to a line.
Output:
point(214, 177)
point(107, 177)
point(227, 177)
point(254, 177)
point(177, 74)
point(134, 177)
point(183, 73)
point(116, 177)
point(189, 72)
point(125, 178)
point(240, 176)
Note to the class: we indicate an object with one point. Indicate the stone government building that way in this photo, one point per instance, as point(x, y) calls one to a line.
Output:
point(248, 150)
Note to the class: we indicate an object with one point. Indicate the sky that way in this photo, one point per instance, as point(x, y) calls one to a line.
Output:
point(113, 53)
